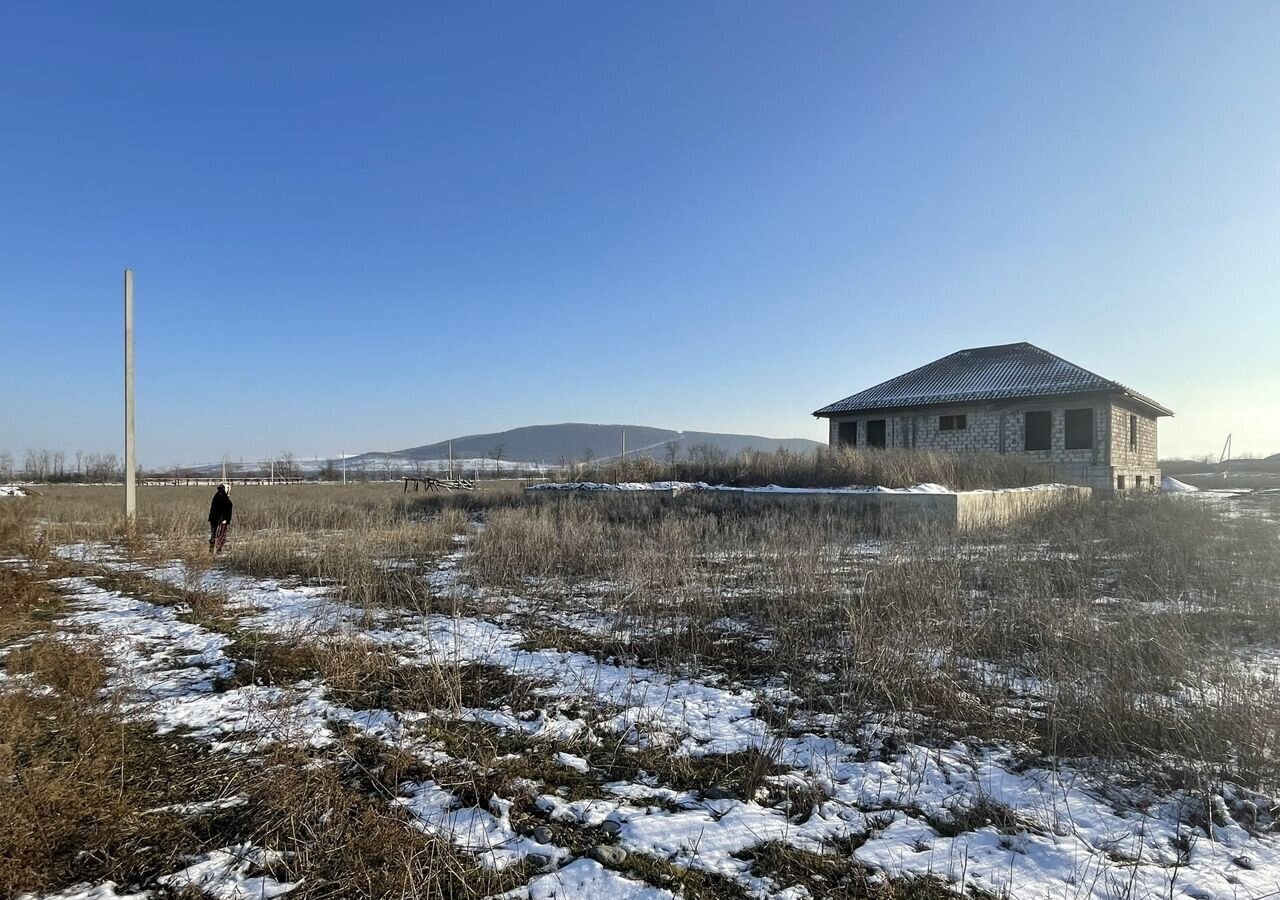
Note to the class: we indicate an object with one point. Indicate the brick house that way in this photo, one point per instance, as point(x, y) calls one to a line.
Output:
point(1011, 398)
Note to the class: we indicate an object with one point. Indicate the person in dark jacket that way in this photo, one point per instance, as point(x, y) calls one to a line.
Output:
point(219, 512)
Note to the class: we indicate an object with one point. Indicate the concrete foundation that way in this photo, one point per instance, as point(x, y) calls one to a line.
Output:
point(964, 510)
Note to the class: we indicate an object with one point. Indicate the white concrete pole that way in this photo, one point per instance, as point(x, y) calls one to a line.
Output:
point(130, 449)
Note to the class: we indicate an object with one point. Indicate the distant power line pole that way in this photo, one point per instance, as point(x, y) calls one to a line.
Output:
point(130, 449)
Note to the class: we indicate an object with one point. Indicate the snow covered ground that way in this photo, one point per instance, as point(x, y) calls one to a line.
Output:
point(977, 815)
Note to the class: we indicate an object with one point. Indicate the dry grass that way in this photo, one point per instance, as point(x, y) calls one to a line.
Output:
point(75, 781)
point(369, 540)
point(1108, 630)
point(82, 790)
point(836, 876)
point(825, 467)
point(1010, 634)
point(78, 788)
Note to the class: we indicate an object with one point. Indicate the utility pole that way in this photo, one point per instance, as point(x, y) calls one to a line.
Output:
point(130, 449)
point(344, 466)
point(451, 460)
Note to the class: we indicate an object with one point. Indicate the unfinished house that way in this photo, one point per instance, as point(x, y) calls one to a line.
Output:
point(1011, 398)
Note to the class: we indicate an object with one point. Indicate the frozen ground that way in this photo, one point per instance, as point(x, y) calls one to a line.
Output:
point(976, 815)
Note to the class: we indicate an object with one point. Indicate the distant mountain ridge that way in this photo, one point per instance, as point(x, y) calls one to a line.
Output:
point(575, 442)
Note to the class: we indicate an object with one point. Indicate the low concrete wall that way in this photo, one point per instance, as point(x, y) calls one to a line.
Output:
point(977, 509)
point(884, 510)
point(965, 510)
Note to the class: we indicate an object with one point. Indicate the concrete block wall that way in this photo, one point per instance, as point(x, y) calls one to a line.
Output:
point(1001, 428)
point(988, 429)
point(976, 509)
point(1137, 466)
point(964, 510)
point(1146, 455)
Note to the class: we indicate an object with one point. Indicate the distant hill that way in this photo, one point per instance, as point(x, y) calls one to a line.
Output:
point(1181, 467)
point(574, 442)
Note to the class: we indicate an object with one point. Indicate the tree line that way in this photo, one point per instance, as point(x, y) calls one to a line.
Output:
point(58, 465)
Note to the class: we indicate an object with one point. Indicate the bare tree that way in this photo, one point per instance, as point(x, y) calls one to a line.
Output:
point(6, 465)
point(112, 467)
point(287, 467)
point(35, 465)
point(496, 453)
point(708, 454)
point(102, 467)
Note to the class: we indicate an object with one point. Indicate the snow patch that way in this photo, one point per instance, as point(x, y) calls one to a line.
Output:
point(586, 879)
point(224, 874)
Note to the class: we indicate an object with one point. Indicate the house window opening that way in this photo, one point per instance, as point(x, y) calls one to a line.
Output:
point(953, 423)
point(847, 434)
point(1133, 434)
point(1079, 429)
point(1119, 482)
point(875, 433)
point(1038, 430)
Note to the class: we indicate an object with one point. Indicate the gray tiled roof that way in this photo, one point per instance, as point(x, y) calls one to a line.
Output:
point(1006, 371)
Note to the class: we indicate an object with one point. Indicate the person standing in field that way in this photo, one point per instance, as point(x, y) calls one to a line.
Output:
point(219, 514)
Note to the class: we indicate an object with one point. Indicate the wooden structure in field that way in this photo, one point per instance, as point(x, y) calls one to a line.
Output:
point(431, 483)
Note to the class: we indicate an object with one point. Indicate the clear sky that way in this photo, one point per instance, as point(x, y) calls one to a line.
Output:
point(368, 226)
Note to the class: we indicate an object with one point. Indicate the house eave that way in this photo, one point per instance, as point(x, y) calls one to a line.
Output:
point(1155, 409)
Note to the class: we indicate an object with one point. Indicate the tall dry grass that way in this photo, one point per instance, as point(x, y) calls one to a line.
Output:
point(90, 795)
point(1109, 629)
point(1114, 629)
point(825, 467)
point(370, 541)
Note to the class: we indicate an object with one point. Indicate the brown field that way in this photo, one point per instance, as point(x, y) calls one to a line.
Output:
point(1116, 636)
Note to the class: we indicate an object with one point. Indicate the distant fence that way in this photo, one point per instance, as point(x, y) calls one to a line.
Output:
point(160, 480)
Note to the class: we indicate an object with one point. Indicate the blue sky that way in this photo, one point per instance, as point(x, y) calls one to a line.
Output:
point(379, 225)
